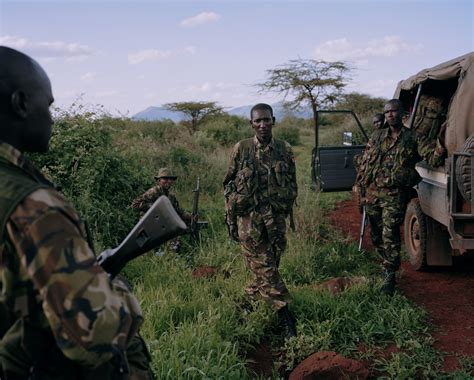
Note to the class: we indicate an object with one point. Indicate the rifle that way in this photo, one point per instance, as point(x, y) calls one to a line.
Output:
point(363, 224)
point(196, 224)
point(159, 224)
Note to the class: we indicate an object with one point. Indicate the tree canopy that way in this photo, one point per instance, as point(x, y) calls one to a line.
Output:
point(363, 105)
point(195, 111)
point(315, 82)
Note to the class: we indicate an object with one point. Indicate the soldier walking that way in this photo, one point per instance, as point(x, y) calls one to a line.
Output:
point(260, 190)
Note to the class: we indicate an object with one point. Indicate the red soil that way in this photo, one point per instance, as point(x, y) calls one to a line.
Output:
point(444, 292)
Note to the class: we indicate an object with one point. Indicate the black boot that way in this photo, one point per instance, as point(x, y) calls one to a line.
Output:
point(388, 286)
point(287, 322)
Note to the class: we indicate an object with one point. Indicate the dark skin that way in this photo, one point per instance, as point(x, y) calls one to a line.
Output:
point(25, 99)
point(393, 117)
point(377, 121)
point(262, 122)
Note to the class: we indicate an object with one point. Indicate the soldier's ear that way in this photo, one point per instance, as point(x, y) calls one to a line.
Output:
point(273, 119)
point(19, 103)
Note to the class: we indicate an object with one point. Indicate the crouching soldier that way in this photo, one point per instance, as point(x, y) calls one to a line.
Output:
point(165, 180)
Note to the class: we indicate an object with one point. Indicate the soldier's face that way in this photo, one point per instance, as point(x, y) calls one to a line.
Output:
point(392, 113)
point(262, 122)
point(38, 123)
point(166, 183)
point(377, 122)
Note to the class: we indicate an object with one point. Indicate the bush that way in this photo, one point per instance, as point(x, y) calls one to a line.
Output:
point(228, 129)
point(289, 134)
point(97, 178)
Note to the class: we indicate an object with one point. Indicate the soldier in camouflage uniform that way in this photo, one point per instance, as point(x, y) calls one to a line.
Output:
point(61, 317)
point(165, 179)
point(430, 126)
point(377, 120)
point(260, 190)
point(387, 172)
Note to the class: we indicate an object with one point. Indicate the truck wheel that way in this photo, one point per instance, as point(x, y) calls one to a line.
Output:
point(463, 169)
point(415, 234)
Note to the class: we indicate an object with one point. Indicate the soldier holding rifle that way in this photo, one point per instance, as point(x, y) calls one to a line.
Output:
point(165, 180)
point(61, 316)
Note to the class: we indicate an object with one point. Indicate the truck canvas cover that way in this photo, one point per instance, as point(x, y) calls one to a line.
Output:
point(460, 118)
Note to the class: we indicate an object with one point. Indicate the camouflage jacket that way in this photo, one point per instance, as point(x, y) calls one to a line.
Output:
point(53, 294)
point(260, 175)
point(389, 163)
point(145, 201)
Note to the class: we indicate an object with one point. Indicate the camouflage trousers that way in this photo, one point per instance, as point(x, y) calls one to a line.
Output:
point(386, 209)
point(262, 238)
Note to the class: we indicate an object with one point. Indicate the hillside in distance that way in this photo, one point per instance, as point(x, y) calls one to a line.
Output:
point(160, 113)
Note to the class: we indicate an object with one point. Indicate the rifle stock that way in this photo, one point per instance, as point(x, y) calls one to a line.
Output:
point(159, 224)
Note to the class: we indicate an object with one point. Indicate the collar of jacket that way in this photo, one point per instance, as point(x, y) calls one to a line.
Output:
point(14, 157)
point(259, 145)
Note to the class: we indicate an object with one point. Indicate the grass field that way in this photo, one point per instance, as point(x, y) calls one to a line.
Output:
point(194, 327)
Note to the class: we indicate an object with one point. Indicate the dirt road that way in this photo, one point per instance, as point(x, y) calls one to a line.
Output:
point(445, 292)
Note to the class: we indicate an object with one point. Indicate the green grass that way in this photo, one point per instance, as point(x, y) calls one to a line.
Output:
point(196, 328)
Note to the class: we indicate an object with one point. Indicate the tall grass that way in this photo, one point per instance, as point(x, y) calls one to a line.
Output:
point(196, 328)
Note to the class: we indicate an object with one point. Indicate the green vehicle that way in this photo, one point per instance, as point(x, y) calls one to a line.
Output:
point(439, 221)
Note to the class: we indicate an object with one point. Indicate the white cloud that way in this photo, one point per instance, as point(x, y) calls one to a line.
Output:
point(201, 18)
point(88, 77)
point(158, 55)
point(47, 49)
point(342, 49)
point(148, 55)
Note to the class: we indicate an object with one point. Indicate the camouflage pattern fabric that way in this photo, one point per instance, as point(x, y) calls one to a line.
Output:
point(145, 201)
point(57, 301)
point(390, 163)
point(260, 188)
point(386, 209)
point(263, 241)
point(387, 172)
point(430, 116)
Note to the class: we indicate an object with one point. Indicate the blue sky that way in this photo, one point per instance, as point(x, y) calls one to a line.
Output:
point(128, 55)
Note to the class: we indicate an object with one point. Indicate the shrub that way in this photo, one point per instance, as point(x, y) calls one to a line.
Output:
point(289, 134)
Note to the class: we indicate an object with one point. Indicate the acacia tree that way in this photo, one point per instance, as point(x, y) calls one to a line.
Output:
point(314, 82)
point(196, 111)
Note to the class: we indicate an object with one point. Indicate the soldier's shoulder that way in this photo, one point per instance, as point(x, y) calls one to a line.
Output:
point(283, 145)
point(243, 144)
point(41, 202)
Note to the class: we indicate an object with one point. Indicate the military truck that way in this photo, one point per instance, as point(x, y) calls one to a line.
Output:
point(439, 222)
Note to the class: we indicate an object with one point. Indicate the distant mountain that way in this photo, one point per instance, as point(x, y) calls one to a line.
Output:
point(160, 113)
point(279, 111)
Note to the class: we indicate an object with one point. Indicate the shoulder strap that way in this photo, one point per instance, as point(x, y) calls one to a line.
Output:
point(14, 187)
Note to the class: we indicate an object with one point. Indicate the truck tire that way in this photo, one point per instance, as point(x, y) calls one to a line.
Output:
point(463, 169)
point(415, 235)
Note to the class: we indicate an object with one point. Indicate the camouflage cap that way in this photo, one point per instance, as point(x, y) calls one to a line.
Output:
point(165, 173)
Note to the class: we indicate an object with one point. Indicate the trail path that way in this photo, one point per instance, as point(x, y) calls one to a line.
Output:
point(445, 292)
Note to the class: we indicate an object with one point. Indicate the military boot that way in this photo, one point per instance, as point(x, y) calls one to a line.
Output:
point(388, 286)
point(287, 322)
